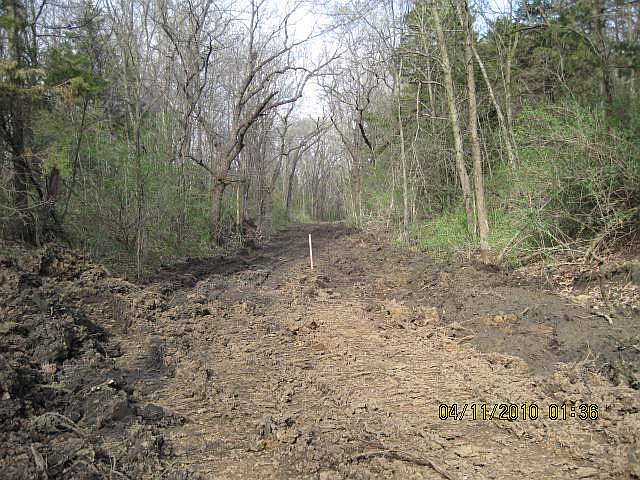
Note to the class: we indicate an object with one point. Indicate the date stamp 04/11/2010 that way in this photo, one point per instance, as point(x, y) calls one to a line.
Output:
point(513, 412)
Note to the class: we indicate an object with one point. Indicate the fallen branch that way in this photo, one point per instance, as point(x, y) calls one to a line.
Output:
point(511, 244)
point(67, 422)
point(41, 465)
point(606, 316)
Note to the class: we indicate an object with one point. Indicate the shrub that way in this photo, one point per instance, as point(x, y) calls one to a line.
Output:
point(580, 174)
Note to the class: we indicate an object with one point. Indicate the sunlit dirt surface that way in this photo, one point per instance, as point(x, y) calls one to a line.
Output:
point(256, 366)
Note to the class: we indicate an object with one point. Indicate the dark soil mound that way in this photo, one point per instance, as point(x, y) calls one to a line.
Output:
point(61, 394)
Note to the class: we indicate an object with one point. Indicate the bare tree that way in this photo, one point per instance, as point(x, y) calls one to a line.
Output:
point(476, 154)
point(195, 32)
point(267, 56)
point(299, 145)
point(463, 176)
point(135, 33)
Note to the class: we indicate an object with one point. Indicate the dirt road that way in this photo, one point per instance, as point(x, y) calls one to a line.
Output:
point(254, 366)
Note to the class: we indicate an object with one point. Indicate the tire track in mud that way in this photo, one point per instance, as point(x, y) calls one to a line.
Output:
point(283, 372)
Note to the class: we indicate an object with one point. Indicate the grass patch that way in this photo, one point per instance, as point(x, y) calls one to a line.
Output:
point(444, 237)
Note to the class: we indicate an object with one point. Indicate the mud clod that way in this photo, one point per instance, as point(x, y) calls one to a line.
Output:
point(152, 412)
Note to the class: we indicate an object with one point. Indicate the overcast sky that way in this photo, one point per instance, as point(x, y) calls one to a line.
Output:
point(312, 17)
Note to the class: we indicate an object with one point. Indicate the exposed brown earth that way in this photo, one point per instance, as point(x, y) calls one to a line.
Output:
point(254, 366)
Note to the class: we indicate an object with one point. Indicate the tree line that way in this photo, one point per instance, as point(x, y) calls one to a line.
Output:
point(138, 128)
point(144, 130)
point(510, 132)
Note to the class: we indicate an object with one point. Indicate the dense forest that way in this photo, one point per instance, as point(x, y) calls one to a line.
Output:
point(141, 131)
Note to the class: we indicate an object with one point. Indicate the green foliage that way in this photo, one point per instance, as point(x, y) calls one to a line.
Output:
point(280, 220)
point(68, 67)
point(54, 139)
point(20, 82)
point(377, 196)
point(296, 215)
point(115, 186)
point(577, 176)
point(577, 180)
point(58, 158)
point(445, 236)
point(7, 22)
point(585, 172)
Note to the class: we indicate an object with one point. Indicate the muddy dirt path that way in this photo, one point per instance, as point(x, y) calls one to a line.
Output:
point(254, 366)
point(339, 372)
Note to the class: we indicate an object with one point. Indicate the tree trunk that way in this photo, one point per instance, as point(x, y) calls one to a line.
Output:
point(603, 53)
point(22, 227)
point(217, 194)
point(19, 138)
point(355, 178)
point(513, 45)
point(238, 208)
point(501, 120)
point(219, 183)
point(403, 158)
point(185, 151)
point(455, 122)
point(244, 212)
point(292, 175)
point(478, 179)
point(140, 188)
point(265, 221)
point(266, 215)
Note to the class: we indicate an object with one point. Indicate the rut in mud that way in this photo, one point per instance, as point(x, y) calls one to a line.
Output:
point(254, 366)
